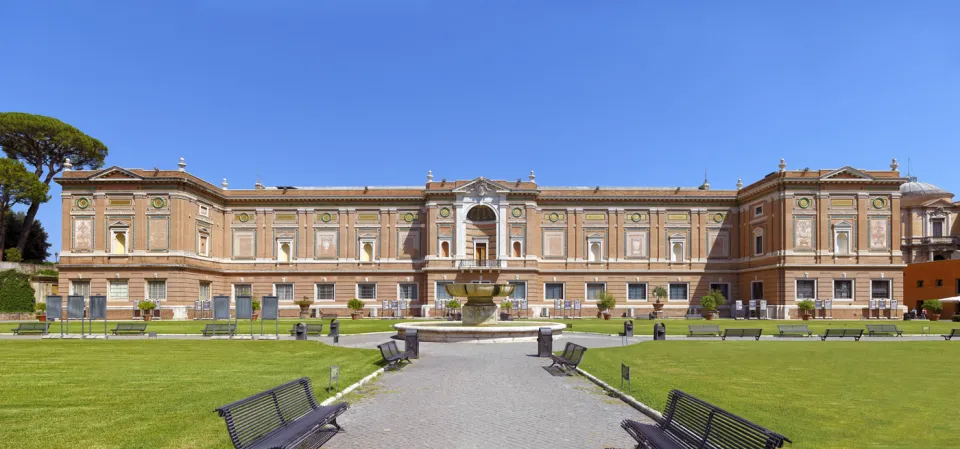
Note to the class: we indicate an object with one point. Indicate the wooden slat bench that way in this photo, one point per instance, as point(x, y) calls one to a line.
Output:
point(571, 356)
point(842, 333)
point(730, 332)
point(287, 416)
point(312, 329)
point(130, 328)
point(689, 422)
point(794, 329)
point(883, 329)
point(392, 355)
point(31, 328)
point(711, 330)
point(219, 329)
point(953, 333)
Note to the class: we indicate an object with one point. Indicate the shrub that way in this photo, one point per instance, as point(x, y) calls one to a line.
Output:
point(255, 304)
point(48, 272)
point(606, 301)
point(16, 294)
point(12, 255)
point(453, 304)
point(507, 305)
point(933, 306)
point(355, 304)
point(712, 300)
point(660, 293)
point(41, 308)
point(146, 306)
point(806, 306)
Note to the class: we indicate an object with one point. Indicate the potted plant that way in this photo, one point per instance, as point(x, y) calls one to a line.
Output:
point(146, 309)
point(806, 308)
point(356, 307)
point(605, 304)
point(41, 309)
point(304, 304)
point(933, 307)
point(507, 306)
point(710, 302)
point(659, 293)
point(454, 304)
point(255, 305)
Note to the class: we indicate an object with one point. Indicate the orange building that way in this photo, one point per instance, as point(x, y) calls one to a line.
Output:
point(933, 280)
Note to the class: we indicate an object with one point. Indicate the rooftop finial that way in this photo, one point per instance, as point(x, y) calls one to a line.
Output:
point(894, 165)
point(706, 184)
point(224, 184)
point(429, 175)
point(182, 165)
point(533, 177)
point(739, 183)
point(783, 165)
point(258, 185)
point(67, 165)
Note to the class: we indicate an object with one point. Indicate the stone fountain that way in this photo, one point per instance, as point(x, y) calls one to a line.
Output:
point(479, 310)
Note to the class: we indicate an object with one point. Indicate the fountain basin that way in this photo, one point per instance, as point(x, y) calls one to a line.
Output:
point(455, 331)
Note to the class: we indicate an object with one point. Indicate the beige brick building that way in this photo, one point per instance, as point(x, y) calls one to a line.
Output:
point(169, 236)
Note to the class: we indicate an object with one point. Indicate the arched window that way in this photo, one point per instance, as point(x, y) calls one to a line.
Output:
point(676, 253)
point(481, 213)
point(842, 238)
point(517, 250)
point(445, 249)
point(119, 242)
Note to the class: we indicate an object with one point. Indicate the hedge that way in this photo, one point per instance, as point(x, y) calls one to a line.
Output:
point(16, 294)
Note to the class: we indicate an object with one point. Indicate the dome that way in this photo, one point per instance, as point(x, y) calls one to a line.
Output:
point(917, 188)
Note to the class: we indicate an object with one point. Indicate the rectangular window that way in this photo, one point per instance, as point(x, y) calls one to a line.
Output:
point(843, 289)
point(119, 290)
point(367, 291)
point(919, 284)
point(409, 292)
point(284, 291)
point(203, 245)
point(758, 245)
point(553, 291)
point(242, 290)
point(637, 292)
point(326, 292)
point(156, 290)
point(204, 211)
point(442, 290)
point(880, 289)
point(758, 211)
point(938, 228)
point(756, 290)
point(519, 290)
point(724, 289)
point(81, 288)
point(678, 292)
point(594, 290)
point(204, 291)
point(806, 289)
point(939, 282)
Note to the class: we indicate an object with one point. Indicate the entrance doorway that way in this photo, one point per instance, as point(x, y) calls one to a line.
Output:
point(480, 252)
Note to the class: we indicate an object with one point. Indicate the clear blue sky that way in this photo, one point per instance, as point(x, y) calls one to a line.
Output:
point(357, 92)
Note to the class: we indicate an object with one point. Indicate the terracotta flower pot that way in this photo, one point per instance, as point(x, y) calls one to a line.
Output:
point(606, 316)
point(42, 318)
point(657, 306)
point(148, 316)
point(933, 316)
point(708, 316)
point(599, 314)
point(355, 315)
point(805, 317)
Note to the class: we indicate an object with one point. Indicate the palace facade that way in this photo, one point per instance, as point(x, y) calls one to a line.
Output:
point(169, 236)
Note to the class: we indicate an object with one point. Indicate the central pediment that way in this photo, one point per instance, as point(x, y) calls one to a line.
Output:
point(481, 187)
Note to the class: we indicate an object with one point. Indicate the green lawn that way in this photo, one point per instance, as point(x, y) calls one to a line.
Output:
point(679, 326)
point(820, 395)
point(149, 394)
point(347, 326)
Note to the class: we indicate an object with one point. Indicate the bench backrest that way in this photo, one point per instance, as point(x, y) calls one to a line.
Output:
point(694, 421)
point(33, 326)
point(249, 420)
point(315, 328)
point(793, 328)
point(954, 331)
point(389, 350)
point(704, 327)
point(576, 353)
point(889, 328)
point(131, 326)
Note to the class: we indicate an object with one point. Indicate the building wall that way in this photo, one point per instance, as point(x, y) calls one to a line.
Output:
point(947, 271)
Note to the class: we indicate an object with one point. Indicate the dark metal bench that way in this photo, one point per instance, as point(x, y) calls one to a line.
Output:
point(953, 333)
point(711, 330)
point(287, 416)
point(392, 355)
point(730, 332)
point(219, 329)
point(883, 329)
point(571, 356)
point(129, 328)
point(312, 329)
point(31, 328)
point(794, 329)
point(689, 422)
point(842, 333)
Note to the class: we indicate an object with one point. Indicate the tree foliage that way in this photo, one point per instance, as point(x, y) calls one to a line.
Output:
point(45, 143)
point(17, 186)
point(37, 248)
point(16, 294)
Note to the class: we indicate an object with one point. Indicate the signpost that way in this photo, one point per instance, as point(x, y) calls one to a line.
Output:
point(828, 304)
point(625, 376)
point(244, 306)
point(752, 308)
point(270, 310)
point(98, 311)
point(55, 309)
point(334, 378)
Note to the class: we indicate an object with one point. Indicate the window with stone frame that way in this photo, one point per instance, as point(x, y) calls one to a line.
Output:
point(553, 290)
point(441, 290)
point(756, 290)
point(284, 291)
point(722, 287)
point(880, 289)
point(678, 291)
point(326, 292)
point(367, 291)
point(204, 291)
point(806, 289)
point(119, 289)
point(80, 288)
point(519, 290)
point(409, 292)
point(637, 291)
point(157, 290)
point(242, 290)
point(843, 289)
point(595, 289)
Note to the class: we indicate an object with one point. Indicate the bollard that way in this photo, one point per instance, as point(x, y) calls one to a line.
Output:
point(301, 331)
point(334, 328)
point(628, 328)
point(659, 331)
point(545, 342)
point(412, 342)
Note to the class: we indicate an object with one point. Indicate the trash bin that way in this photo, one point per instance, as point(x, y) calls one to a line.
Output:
point(301, 331)
point(545, 342)
point(412, 342)
point(628, 328)
point(659, 331)
point(334, 328)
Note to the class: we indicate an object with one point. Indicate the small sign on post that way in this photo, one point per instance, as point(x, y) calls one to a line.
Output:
point(334, 378)
point(625, 376)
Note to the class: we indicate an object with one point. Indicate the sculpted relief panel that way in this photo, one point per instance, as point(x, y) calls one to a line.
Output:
point(878, 233)
point(803, 233)
point(408, 243)
point(636, 244)
point(554, 243)
point(83, 234)
point(326, 245)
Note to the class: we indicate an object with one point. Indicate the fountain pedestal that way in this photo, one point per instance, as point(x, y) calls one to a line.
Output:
point(478, 313)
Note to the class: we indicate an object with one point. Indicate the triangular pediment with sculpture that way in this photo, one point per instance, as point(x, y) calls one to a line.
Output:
point(481, 187)
point(115, 174)
point(846, 174)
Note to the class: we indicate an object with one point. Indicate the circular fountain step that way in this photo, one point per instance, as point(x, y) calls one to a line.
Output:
point(455, 331)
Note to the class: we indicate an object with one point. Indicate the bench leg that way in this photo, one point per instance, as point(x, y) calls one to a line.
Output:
point(334, 422)
point(856, 338)
point(758, 338)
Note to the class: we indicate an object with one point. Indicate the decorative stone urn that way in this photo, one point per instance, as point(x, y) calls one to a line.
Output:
point(479, 310)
